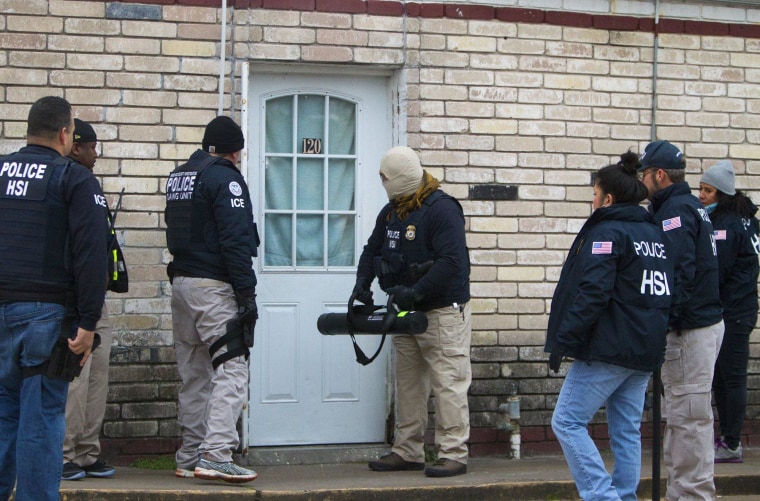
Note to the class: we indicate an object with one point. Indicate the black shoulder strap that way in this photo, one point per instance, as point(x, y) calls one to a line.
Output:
point(361, 357)
point(205, 163)
point(116, 210)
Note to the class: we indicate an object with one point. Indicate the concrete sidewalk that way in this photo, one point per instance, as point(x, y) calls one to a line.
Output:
point(533, 478)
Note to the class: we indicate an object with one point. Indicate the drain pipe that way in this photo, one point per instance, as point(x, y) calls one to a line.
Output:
point(222, 56)
point(653, 131)
point(510, 421)
point(656, 381)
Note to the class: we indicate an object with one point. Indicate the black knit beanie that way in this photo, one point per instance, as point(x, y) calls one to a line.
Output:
point(223, 135)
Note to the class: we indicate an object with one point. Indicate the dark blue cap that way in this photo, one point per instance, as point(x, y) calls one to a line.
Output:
point(662, 155)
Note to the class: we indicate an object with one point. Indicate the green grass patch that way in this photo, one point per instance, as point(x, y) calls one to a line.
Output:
point(155, 463)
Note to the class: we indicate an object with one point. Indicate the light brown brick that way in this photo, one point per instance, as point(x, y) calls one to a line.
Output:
point(188, 48)
point(326, 20)
point(34, 24)
point(153, 29)
point(66, 8)
point(342, 37)
point(444, 59)
point(133, 81)
point(108, 97)
point(92, 26)
point(95, 62)
point(141, 46)
point(34, 7)
point(52, 60)
point(327, 54)
point(189, 14)
point(191, 82)
point(65, 78)
point(151, 64)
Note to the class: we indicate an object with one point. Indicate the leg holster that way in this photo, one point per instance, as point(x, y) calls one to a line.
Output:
point(235, 342)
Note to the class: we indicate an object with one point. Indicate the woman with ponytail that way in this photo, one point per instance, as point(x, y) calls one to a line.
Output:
point(736, 238)
point(610, 314)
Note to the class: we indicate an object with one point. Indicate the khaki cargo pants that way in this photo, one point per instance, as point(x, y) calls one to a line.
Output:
point(438, 361)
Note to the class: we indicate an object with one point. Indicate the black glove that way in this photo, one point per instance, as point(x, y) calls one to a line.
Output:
point(404, 297)
point(555, 359)
point(362, 293)
point(248, 313)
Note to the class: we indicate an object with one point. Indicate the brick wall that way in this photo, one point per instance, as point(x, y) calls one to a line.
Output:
point(531, 98)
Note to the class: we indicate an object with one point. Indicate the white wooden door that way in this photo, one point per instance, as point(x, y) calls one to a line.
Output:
point(314, 149)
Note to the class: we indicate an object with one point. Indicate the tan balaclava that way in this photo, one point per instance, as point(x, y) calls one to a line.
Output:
point(402, 170)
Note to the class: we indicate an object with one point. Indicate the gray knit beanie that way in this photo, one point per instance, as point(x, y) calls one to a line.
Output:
point(721, 175)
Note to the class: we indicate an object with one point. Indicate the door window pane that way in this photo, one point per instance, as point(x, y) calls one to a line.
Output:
point(278, 180)
point(308, 224)
point(340, 182)
point(342, 127)
point(279, 125)
point(340, 238)
point(278, 240)
point(310, 240)
point(311, 117)
point(311, 180)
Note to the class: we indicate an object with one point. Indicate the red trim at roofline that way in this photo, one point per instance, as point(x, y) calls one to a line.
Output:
point(484, 12)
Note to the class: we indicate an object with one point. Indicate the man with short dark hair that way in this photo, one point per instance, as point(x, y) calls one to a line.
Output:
point(86, 402)
point(695, 324)
point(212, 237)
point(51, 289)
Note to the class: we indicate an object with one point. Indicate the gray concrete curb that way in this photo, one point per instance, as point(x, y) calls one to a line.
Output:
point(497, 479)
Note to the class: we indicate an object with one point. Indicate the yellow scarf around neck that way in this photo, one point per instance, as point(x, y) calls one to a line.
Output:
point(406, 204)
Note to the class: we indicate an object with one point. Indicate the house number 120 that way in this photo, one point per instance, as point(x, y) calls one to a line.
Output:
point(311, 146)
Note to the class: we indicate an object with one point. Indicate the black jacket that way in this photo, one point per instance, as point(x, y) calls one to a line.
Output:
point(443, 236)
point(51, 232)
point(691, 244)
point(612, 299)
point(738, 242)
point(209, 222)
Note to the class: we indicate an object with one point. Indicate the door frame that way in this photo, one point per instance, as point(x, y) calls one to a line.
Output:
point(397, 118)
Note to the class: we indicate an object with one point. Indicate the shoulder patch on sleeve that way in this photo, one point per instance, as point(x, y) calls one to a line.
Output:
point(601, 248)
point(671, 224)
point(235, 189)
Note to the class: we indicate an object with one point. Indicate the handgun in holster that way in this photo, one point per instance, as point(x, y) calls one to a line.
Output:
point(63, 363)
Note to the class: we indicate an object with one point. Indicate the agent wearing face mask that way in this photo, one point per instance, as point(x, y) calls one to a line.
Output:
point(418, 253)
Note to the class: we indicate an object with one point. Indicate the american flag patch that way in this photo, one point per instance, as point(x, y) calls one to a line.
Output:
point(601, 248)
point(671, 224)
point(720, 234)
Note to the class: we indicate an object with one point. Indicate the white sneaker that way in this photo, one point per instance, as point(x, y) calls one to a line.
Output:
point(229, 472)
point(724, 454)
point(184, 473)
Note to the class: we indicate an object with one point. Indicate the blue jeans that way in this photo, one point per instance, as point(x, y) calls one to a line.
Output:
point(586, 388)
point(32, 419)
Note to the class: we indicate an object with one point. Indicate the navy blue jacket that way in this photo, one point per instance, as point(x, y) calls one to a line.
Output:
point(691, 244)
point(738, 242)
point(613, 296)
point(209, 222)
point(448, 280)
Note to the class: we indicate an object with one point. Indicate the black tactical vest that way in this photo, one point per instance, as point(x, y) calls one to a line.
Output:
point(185, 220)
point(33, 220)
point(405, 255)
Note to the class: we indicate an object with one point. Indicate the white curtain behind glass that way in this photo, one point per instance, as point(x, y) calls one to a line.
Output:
point(295, 192)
